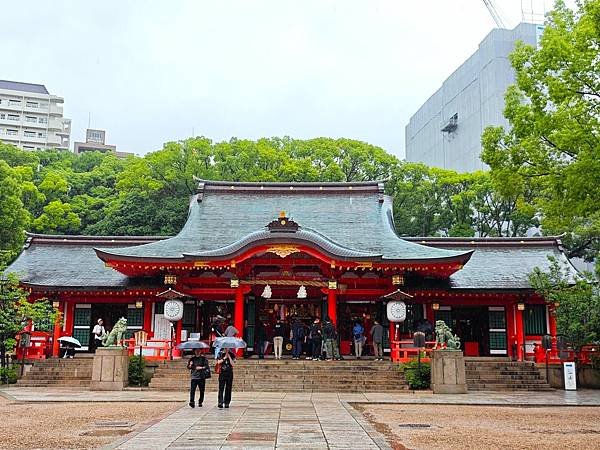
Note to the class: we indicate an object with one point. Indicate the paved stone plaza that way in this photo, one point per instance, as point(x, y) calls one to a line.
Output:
point(279, 420)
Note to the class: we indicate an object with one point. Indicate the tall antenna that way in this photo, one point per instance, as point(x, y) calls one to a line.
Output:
point(489, 4)
point(89, 119)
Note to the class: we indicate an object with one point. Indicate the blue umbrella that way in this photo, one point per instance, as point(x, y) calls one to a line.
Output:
point(191, 345)
point(229, 342)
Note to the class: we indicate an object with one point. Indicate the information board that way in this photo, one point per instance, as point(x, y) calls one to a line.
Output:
point(570, 376)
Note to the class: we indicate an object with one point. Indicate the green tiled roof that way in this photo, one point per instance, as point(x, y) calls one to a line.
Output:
point(351, 220)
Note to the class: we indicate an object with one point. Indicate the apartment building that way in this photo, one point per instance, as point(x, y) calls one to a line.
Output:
point(95, 141)
point(31, 118)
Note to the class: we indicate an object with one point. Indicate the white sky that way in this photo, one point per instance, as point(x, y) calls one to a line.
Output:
point(153, 71)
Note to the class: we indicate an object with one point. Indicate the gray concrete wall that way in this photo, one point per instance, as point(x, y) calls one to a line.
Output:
point(587, 378)
point(476, 92)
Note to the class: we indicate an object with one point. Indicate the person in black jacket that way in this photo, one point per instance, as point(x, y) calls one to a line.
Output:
point(316, 336)
point(261, 339)
point(226, 359)
point(297, 338)
point(198, 366)
point(331, 344)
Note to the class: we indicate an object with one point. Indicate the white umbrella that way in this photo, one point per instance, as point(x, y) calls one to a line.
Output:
point(229, 342)
point(70, 340)
point(190, 345)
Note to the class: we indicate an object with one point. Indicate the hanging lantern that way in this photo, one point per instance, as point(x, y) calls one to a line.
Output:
point(266, 293)
point(301, 292)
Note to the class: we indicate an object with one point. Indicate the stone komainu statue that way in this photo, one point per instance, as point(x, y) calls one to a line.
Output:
point(116, 334)
point(444, 337)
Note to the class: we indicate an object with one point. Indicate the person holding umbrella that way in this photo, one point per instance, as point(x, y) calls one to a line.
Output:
point(199, 372)
point(69, 344)
point(225, 361)
point(224, 367)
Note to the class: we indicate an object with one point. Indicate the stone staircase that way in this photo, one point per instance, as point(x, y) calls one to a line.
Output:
point(291, 376)
point(502, 374)
point(56, 372)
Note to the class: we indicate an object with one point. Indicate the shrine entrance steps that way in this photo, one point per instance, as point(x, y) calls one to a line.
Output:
point(291, 376)
point(57, 372)
point(502, 374)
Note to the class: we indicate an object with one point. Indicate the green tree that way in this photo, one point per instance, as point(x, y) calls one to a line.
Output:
point(13, 214)
point(16, 312)
point(553, 145)
point(57, 218)
point(577, 302)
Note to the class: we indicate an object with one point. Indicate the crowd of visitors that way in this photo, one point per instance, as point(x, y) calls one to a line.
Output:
point(317, 340)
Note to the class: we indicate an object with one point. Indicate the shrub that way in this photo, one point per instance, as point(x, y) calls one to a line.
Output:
point(10, 373)
point(417, 379)
point(137, 371)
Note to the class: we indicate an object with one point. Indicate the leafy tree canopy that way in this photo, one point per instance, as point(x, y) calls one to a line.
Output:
point(577, 302)
point(553, 146)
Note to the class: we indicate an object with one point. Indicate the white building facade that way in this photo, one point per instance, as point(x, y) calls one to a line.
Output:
point(31, 118)
point(446, 130)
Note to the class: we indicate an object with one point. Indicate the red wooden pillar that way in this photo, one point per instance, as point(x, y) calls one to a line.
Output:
point(70, 318)
point(147, 326)
point(393, 332)
point(510, 329)
point(332, 305)
point(178, 328)
point(552, 329)
point(57, 331)
point(238, 310)
point(520, 335)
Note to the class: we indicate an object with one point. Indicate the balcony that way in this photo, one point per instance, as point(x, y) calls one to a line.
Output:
point(56, 110)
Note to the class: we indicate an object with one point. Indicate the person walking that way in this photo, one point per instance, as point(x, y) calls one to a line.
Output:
point(261, 339)
point(278, 334)
point(199, 369)
point(377, 338)
point(316, 338)
point(226, 360)
point(297, 338)
point(358, 336)
point(99, 332)
point(330, 336)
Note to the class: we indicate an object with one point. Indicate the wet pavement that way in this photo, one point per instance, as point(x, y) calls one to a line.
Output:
point(267, 420)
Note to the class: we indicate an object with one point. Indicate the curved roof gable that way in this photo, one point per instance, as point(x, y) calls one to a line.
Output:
point(352, 220)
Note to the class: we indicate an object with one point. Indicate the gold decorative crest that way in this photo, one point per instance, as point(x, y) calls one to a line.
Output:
point(283, 250)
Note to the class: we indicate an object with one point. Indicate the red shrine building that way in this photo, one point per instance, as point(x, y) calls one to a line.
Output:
point(262, 252)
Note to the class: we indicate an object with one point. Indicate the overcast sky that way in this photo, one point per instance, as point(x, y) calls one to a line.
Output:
point(153, 71)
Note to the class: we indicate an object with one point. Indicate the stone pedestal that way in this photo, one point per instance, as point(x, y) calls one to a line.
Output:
point(448, 372)
point(110, 371)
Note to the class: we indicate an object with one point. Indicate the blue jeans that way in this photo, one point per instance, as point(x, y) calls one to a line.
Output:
point(296, 347)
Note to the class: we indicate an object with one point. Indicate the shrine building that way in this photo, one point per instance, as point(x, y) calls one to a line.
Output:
point(252, 252)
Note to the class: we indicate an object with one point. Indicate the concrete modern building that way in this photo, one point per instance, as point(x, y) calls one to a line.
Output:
point(446, 131)
point(31, 118)
point(95, 141)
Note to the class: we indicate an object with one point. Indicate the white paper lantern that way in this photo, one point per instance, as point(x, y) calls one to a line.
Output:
point(396, 311)
point(301, 292)
point(267, 292)
point(173, 310)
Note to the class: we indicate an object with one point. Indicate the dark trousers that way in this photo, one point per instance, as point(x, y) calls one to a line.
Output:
point(200, 385)
point(225, 385)
point(317, 344)
point(261, 349)
point(296, 347)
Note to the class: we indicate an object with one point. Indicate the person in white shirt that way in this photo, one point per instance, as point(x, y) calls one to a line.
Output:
point(99, 332)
